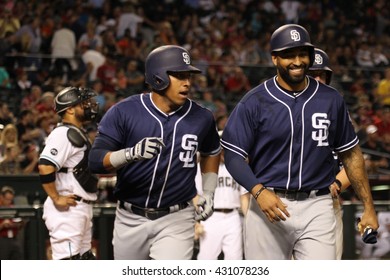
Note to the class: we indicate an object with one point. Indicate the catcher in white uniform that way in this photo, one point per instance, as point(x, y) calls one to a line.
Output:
point(65, 176)
point(222, 232)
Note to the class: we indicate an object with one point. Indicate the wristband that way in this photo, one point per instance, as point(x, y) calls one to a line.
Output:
point(47, 178)
point(119, 158)
point(257, 194)
point(338, 183)
point(128, 154)
point(209, 181)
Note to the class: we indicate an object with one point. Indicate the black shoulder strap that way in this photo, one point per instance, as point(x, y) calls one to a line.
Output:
point(76, 136)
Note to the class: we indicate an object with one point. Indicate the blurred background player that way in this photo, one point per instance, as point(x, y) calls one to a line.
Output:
point(222, 232)
point(321, 71)
point(66, 178)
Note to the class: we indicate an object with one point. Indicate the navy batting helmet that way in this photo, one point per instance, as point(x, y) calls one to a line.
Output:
point(291, 36)
point(321, 63)
point(71, 96)
point(163, 60)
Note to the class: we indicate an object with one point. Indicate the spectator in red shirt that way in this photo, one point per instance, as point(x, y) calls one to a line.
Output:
point(384, 123)
point(45, 106)
point(237, 84)
point(9, 229)
point(106, 73)
point(32, 98)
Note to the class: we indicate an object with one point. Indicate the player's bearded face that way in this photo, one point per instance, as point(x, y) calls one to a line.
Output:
point(79, 113)
point(291, 79)
point(292, 65)
point(88, 110)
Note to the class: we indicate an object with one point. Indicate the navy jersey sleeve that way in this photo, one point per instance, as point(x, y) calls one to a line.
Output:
point(345, 137)
point(109, 138)
point(122, 126)
point(111, 127)
point(238, 135)
point(212, 144)
point(237, 138)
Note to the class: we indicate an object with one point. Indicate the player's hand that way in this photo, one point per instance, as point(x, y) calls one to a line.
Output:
point(334, 190)
point(272, 206)
point(205, 206)
point(369, 235)
point(199, 230)
point(368, 220)
point(62, 203)
point(147, 148)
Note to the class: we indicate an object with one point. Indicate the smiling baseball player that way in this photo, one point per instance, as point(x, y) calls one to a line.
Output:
point(152, 140)
point(287, 129)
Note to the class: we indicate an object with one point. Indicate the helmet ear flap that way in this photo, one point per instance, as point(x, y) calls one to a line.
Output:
point(157, 80)
point(159, 83)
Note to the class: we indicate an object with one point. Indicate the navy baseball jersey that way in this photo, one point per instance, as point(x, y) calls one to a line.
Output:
point(289, 138)
point(168, 178)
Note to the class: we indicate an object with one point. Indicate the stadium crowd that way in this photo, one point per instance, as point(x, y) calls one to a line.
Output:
point(47, 45)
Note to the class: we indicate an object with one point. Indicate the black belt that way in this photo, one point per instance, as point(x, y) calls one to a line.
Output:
point(79, 198)
point(64, 169)
point(300, 195)
point(224, 210)
point(152, 213)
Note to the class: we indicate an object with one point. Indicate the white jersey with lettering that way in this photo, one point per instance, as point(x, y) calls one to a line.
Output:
point(70, 231)
point(222, 232)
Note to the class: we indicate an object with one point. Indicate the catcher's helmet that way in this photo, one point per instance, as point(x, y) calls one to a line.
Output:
point(321, 62)
point(291, 36)
point(163, 60)
point(71, 96)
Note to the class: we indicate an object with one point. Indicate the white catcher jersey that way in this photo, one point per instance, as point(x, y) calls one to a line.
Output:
point(228, 192)
point(62, 153)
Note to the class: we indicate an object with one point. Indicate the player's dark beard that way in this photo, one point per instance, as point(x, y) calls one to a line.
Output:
point(291, 80)
point(81, 117)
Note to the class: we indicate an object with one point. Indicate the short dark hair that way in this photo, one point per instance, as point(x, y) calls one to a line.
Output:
point(24, 113)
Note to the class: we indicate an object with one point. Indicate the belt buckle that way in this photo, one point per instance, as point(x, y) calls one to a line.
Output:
point(289, 195)
point(302, 196)
point(146, 214)
point(155, 214)
point(295, 195)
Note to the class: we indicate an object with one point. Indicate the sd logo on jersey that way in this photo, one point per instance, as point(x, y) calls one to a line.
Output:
point(189, 143)
point(320, 121)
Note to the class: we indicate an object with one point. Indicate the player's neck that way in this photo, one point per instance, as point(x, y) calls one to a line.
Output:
point(164, 104)
point(72, 121)
point(292, 88)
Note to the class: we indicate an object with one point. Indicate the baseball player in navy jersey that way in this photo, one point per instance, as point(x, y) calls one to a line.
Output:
point(287, 128)
point(321, 71)
point(151, 140)
point(222, 232)
point(66, 178)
